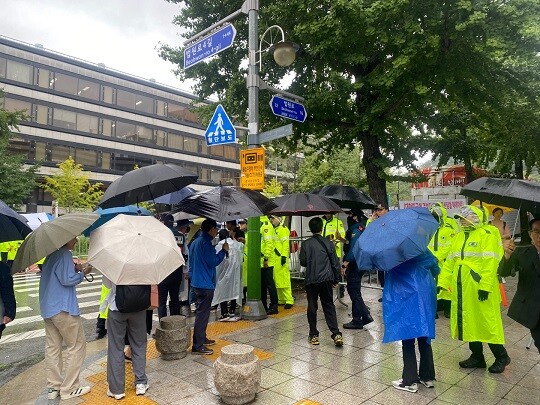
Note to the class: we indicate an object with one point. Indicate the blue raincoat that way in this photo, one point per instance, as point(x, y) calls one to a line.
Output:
point(410, 299)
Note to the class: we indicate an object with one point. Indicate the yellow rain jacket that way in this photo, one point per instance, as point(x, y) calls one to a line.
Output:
point(103, 306)
point(471, 265)
point(282, 275)
point(440, 243)
point(267, 242)
point(13, 248)
point(330, 228)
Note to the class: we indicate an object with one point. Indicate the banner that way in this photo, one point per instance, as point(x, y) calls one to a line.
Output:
point(452, 206)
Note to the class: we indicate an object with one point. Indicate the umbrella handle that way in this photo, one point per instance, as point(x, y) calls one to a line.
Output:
point(89, 277)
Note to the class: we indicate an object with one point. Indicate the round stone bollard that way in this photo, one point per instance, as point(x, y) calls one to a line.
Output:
point(173, 337)
point(237, 374)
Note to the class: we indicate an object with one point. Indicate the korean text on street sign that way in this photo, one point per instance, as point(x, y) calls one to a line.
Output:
point(209, 46)
point(220, 129)
point(288, 109)
point(252, 168)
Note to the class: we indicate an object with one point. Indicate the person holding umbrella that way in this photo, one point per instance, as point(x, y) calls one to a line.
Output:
point(203, 260)
point(470, 274)
point(63, 324)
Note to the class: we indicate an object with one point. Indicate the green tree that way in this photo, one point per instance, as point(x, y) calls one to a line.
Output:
point(16, 182)
point(371, 69)
point(72, 188)
point(273, 188)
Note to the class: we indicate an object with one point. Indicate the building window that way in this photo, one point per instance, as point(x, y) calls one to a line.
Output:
point(86, 157)
point(12, 105)
point(161, 138)
point(176, 141)
point(41, 149)
point(19, 72)
point(145, 134)
point(22, 147)
point(64, 119)
point(108, 94)
point(229, 152)
point(59, 153)
point(203, 147)
point(105, 160)
point(43, 78)
point(144, 104)
point(107, 127)
point(161, 108)
point(3, 62)
point(125, 130)
point(41, 114)
point(65, 83)
point(87, 123)
point(88, 89)
point(191, 144)
point(125, 99)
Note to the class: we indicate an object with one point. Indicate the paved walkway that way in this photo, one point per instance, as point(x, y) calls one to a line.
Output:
point(294, 372)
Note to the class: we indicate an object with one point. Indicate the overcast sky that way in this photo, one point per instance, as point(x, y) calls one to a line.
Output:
point(122, 34)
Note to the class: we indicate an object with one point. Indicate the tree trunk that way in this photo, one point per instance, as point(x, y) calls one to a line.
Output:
point(519, 169)
point(371, 160)
point(467, 162)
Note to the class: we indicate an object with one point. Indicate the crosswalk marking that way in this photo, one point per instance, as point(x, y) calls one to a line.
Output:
point(36, 318)
point(96, 287)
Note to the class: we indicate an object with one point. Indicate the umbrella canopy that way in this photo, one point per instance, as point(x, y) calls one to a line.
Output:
point(13, 226)
point(50, 236)
point(304, 204)
point(145, 184)
point(134, 250)
point(394, 238)
point(225, 203)
point(36, 219)
point(515, 193)
point(175, 197)
point(105, 215)
point(346, 196)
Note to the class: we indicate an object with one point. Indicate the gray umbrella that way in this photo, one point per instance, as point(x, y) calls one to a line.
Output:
point(346, 196)
point(12, 225)
point(146, 183)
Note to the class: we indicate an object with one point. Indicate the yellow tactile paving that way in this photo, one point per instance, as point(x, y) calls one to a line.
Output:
point(307, 402)
point(296, 309)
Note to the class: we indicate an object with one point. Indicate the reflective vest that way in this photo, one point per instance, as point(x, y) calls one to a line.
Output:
point(282, 275)
point(471, 265)
point(267, 242)
point(330, 228)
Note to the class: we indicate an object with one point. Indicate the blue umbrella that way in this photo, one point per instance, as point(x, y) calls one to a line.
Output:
point(106, 214)
point(175, 197)
point(394, 238)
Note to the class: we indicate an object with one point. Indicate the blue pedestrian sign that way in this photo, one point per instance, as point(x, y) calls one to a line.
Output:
point(220, 130)
point(288, 109)
point(209, 46)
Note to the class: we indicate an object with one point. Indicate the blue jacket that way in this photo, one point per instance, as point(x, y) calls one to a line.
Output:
point(203, 260)
point(410, 299)
point(57, 291)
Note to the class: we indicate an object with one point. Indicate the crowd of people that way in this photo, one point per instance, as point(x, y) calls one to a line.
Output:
point(458, 274)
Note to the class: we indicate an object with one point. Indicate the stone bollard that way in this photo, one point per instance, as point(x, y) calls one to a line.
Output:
point(173, 337)
point(237, 374)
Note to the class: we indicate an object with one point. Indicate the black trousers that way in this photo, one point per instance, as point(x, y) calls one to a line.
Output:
point(380, 276)
point(359, 308)
point(170, 287)
point(204, 302)
point(226, 308)
point(324, 291)
point(426, 372)
point(478, 350)
point(535, 333)
point(268, 287)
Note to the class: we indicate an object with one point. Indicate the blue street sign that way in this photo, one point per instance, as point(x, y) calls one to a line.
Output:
point(288, 109)
point(220, 130)
point(209, 46)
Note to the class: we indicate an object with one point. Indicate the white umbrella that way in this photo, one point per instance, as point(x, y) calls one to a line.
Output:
point(134, 250)
point(50, 236)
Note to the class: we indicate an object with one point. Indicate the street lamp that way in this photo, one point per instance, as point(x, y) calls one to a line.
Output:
point(284, 52)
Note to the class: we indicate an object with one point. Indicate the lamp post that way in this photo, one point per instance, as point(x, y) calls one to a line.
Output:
point(284, 54)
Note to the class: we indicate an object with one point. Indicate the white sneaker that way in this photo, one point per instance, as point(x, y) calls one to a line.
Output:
point(115, 396)
point(428, 384)
point(234, 318)
point(398, 384)
point(77, 392)
point(140, 389)
point(193, 307)
point(52, 393)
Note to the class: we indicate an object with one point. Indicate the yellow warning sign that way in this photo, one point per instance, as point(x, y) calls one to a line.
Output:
point(252, 168)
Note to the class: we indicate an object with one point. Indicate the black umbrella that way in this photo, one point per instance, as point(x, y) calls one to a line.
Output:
point(514, 193)
point(304, 204)
point(12, 225)
point(146, 183)
point(346, 196)
point(225, 203)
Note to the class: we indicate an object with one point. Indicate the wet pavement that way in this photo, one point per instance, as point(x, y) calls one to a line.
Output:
point(295, 372)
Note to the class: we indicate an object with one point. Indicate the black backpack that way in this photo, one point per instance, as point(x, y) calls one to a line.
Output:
point(132, 298)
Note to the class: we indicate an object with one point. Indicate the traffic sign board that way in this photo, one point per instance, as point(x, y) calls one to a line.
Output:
point(220, 129)
point(288, 109)
point(252, 168)
point(209, 46)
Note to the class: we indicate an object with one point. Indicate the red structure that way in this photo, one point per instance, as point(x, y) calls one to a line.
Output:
point(446, 176)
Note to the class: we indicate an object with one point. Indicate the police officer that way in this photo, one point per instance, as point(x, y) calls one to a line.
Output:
point(439, 245)
point(470, 274)
point(282, 274)
point(268, 260)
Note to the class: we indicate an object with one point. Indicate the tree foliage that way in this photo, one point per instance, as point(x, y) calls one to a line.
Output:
point(16, 182)
point(373, 70)
point(72, 188)
point(273, 188)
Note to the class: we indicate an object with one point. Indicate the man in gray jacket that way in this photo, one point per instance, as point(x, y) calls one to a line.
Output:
point(318, 256)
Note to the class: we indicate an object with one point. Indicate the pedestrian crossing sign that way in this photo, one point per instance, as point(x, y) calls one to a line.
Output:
point(220, 129)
